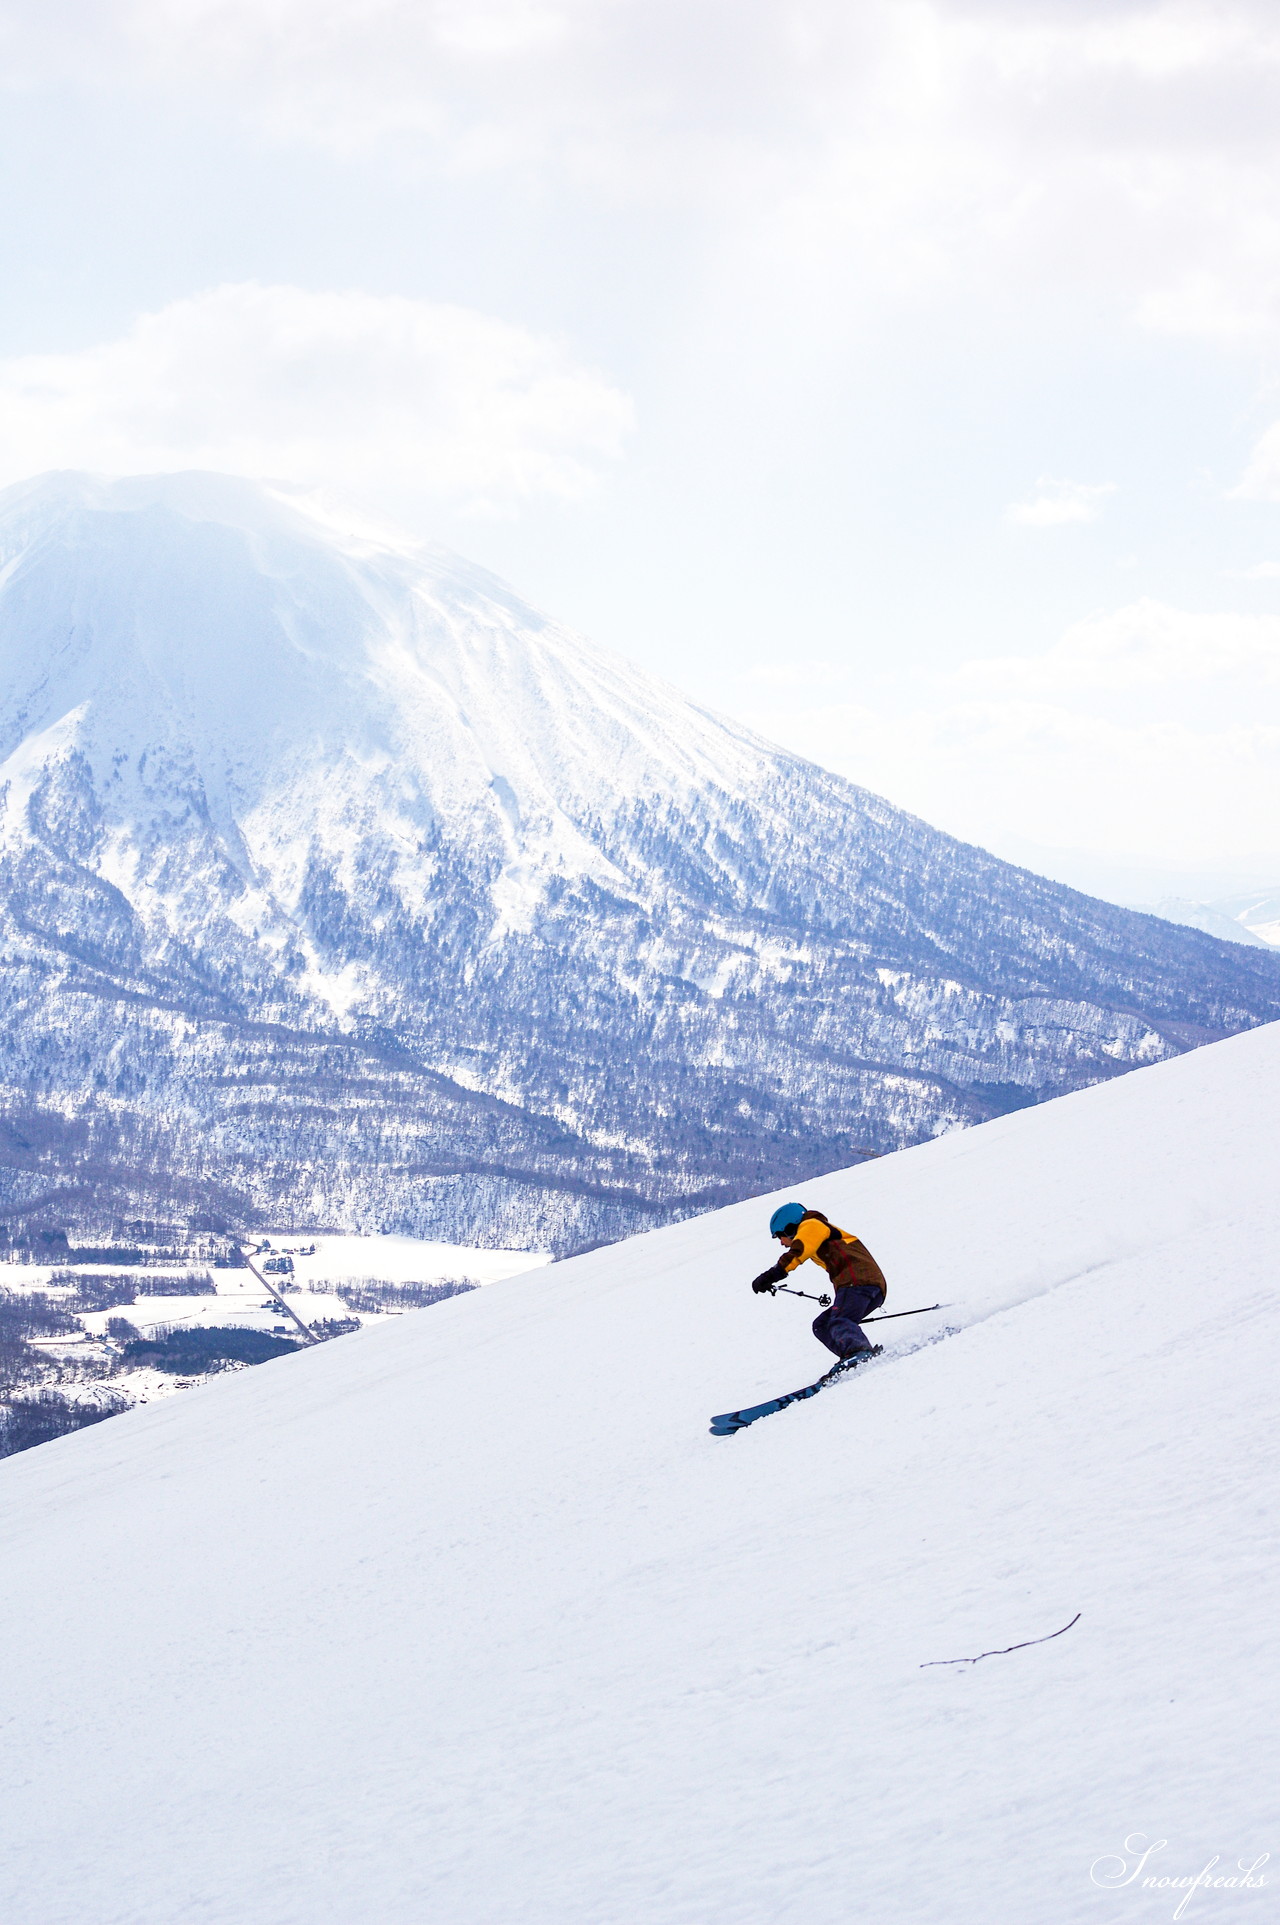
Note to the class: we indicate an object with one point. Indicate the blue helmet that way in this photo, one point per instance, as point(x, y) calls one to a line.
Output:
point(786, 1218)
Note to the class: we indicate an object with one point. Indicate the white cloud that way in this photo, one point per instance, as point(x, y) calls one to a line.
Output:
point(992, 771)
point(373, 393)
point(1261, 479)
point(1059, 502)
point(1125, 151)
point(1044, 750)
point(1144, 647)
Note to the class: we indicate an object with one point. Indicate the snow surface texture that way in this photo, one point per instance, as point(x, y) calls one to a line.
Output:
point(338, 887)
point(467, 1617)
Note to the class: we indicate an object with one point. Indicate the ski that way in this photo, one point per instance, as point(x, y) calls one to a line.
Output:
point(730, 1421)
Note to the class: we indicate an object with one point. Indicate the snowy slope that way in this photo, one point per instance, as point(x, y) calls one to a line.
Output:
point(469, 1619)
point(1257, 912)
point(340, 888)
point(1209, 916)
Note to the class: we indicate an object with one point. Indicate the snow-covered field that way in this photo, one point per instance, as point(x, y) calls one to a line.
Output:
point(334, 1280)
point(393, 1259)
point(466, 1618)
point(314, 1289)
point(332, 1259)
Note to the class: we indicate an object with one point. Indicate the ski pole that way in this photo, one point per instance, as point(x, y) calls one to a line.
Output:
point(907, 1313)
point(785, 1289)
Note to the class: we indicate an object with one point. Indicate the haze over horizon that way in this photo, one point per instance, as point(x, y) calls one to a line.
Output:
point(900, 382)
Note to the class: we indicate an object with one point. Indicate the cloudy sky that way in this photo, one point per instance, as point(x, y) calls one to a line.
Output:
point(901, 375)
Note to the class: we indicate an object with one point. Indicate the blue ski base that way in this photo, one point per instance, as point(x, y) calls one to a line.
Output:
point(731, 1420)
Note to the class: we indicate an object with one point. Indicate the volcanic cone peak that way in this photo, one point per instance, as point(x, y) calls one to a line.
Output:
point(340, 881)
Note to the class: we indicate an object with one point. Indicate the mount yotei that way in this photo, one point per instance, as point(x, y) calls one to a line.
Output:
point(339, 886)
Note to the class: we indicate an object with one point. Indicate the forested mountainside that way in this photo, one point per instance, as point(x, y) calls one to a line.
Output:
point(341, 887)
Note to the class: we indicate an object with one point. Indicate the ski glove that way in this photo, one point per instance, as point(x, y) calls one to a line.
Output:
point(767, 1279)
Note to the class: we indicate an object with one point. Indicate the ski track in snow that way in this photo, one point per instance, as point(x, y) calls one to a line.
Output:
point(466, 1618)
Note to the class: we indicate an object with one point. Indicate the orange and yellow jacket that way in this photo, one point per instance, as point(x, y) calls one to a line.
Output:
point(845, 1259)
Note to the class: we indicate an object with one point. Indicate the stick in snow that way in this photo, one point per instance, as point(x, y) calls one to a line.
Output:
point(1007, 1648)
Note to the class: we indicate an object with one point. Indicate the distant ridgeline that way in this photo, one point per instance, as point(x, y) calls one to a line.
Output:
point(339, 887)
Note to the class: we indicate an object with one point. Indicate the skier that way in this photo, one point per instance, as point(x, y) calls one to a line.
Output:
point(856, 1278)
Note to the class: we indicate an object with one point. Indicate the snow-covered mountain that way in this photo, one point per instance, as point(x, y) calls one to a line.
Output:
point(1258, 913)
point(340, 887)
point(1251, 919)
point(466, 1617)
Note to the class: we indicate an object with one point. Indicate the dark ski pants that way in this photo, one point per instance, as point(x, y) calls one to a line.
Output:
point(840, 1328)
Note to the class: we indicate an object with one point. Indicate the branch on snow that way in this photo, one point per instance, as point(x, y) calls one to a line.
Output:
point(1007, 1648)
